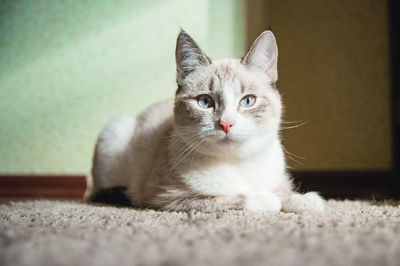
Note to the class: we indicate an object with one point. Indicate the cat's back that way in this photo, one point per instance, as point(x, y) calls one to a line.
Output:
point(157, 115)
point(123, 132)
point(152, 129)
point(153, 126)
point(128, 145)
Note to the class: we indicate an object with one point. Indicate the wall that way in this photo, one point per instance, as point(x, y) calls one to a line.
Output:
point(69, 66)
point(66, 67)
point(334, 74)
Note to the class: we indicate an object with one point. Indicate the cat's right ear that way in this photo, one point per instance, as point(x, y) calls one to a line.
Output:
point(188, 56)
point(263, 55)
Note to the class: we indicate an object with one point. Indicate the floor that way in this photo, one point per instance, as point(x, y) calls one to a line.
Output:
point(47, 232)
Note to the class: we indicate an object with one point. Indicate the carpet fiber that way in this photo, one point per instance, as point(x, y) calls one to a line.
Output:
point(72, 233)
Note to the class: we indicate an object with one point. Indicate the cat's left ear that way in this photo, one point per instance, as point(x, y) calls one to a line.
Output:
point(263, 55)
point(188, 56)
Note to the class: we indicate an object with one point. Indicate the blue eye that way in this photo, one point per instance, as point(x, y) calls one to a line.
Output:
point(247, 101)
point(205, 101)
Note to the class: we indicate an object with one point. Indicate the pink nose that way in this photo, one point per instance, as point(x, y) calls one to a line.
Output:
point(225, 126)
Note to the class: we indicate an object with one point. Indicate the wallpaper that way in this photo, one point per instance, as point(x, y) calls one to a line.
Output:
point(335, 74)
point(67, 67)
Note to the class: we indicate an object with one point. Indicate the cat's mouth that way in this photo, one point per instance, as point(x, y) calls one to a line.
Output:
point(227, 139)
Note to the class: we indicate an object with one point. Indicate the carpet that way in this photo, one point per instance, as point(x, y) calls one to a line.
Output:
point(73, 233)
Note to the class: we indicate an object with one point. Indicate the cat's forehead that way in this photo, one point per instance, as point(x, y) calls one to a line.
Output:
point(222, 75)
point(232, 73)
point(226, 75)
point(226, 69)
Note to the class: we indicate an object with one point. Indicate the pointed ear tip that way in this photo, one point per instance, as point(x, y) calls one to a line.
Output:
point(183, 35)
point(268, 33)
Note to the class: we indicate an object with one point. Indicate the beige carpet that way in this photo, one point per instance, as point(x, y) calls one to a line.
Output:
point(71, 233)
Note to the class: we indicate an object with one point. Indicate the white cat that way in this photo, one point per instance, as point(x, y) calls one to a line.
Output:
point(215, 147)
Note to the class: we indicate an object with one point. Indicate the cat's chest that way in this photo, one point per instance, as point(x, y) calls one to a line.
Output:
point(235, 178)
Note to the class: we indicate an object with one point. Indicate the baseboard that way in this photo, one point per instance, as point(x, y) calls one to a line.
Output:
point(349, 184)
point(332, 184)
point(42, 186)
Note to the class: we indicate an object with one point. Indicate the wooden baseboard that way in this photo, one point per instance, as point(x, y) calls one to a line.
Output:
point(42, 186)
point(366, 185)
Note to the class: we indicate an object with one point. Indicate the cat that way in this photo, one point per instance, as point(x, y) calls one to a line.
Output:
point(215, 147)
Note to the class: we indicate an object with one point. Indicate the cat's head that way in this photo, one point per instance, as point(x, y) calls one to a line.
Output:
point(227, 107)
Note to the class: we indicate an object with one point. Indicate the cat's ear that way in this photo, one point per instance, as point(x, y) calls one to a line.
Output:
point(263, 55)
point(188, 56)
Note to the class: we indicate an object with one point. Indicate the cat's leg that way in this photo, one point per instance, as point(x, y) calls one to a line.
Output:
point(114, 196)
point(110, 149)
point(186, 201)
point(206, 203)
point(296, 202)
point(263, 202)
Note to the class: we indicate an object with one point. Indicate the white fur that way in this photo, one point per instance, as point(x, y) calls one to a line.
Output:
point(263, 202)
point(310, 201)
point(116, 135)
point(264, 171)
point(256, 174)
point(183, 148)
point(110, 150)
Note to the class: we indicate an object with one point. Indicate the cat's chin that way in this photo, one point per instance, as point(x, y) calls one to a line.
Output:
point(236, 147)
point(226, 140)
point(235, 140)
point(224, 147)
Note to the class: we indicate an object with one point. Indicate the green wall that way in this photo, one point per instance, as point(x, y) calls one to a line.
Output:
point(67, 67)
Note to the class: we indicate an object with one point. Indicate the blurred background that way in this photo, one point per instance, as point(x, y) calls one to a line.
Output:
point(67, 67)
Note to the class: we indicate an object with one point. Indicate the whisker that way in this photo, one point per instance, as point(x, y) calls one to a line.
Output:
point(191, 144)
point(295, 126)
point(295, 155)
point(293, 159)
point(185, 151)
point(291, 122)
point(184, 146)
point(198, 148)
point(182, 132)
point(289, 156)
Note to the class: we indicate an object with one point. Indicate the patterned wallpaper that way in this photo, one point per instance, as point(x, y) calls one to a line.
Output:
point(67, 67)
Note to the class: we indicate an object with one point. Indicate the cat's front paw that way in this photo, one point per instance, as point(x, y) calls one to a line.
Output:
point(263, 202)
point(310, 201)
